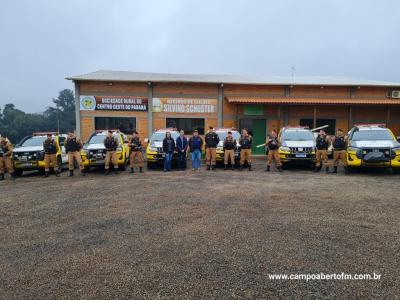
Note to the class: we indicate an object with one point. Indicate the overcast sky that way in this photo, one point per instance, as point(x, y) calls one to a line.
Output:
point(43, 41)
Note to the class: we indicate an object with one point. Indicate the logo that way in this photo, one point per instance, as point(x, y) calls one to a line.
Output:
point(88, 103)
point(157, 105)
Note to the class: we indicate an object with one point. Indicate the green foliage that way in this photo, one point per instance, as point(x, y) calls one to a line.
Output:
point(16, 124)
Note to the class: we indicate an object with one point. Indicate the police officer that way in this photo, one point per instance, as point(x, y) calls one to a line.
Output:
point(73, 147)
point(5, 158)
point(272, 144)
point(111, 145)
point(136, 156)
point(50, 147)
point(322, 144)
point(211, 140)
point(339, 142)
point(245, 143)
point(229, 150)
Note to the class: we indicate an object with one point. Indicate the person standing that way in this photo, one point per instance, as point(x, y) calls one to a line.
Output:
point(229, 150)
point(245, 143)
point(272, 144)
point(212, 140)
point(51, 148)
point(111, 145)
point(73, 147)
point(322, 144)
point(195, 146)
point(182, 146)
point(339, 142)
point(6, 164)
point(168, 148)
point(136, 156)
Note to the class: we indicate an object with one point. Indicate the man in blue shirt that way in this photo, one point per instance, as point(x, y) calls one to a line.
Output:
point(195, 146)
point(182, 145)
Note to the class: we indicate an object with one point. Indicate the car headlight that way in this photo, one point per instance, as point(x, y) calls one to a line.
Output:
point(84, 152)
point(358, 151)
point(153, 149)
point(396, 151)
point(284, 149)
point(220, 148)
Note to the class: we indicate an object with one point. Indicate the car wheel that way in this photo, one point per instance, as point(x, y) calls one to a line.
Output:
point(123, 166)
point(396, 170)
point(151, 166)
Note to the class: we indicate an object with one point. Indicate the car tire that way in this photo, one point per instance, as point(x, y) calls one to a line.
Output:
point(151, 166)
point(396, 170)
point(348, 170)
point(123, 166)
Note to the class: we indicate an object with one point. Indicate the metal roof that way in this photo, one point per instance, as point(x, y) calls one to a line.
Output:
point(106, 75)
point(289, 100)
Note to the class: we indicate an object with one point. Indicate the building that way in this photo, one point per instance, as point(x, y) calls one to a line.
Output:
point(147, 101)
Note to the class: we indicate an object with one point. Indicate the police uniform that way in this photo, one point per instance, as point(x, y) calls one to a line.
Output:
point(5, 158)
point(50, 156)
point(273, 153)
point(322, 144)
point(339, 151)
point(136, 153)
point(229, 151)
point(245, 150)
point(111, 145)
point(211, 140)
point(73, 147)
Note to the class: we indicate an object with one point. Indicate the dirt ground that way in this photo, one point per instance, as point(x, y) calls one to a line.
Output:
point(199, 235)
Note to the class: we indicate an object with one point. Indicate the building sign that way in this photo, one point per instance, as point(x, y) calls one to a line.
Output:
point(254, 110)
point(185, 106)
point(115, 103)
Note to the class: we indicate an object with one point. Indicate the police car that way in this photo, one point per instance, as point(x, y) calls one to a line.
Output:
point(154, 151)
point(222, 134)
point(94, 152)
point(28, 154)
point(297, 145)
point(372, 145)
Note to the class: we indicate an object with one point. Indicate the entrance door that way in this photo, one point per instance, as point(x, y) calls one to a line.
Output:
point(257, 129)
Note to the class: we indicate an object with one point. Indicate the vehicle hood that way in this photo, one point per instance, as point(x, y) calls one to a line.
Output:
point(94, 147)
point(304, 144)
point(28, 149)
point(374, 144)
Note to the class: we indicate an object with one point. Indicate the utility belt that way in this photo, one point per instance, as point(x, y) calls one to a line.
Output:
point(339, 149)
point(110, 149)
point(324, 149)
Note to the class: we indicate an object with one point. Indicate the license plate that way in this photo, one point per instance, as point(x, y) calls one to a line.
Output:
point(301, 155)
point(236, 154)
point(23, 158)
point(98, 161)
point(300, 149)
point(26, 165)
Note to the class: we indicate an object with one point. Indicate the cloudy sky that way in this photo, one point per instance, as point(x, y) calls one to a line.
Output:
point(43, 41)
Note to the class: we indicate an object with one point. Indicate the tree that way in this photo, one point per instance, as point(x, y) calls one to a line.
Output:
point(16, 124)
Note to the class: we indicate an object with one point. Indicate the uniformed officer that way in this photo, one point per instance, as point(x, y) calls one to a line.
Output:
point(229, 150)
point(339, 142)
point(322, 144)
point(73, 147)
point(50, 147)
point(245, 143)
point(111, 145)
point(272, 144)
point(5, 158)
point(211, 140)
point(136, 156)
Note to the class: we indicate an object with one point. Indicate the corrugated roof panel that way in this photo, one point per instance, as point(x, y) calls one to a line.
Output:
point(104, 75)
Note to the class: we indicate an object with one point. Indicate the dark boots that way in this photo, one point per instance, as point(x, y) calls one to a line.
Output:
point(279, 168)
point(71, 173)
point(1, 177)
point(225, 167)
point(317, 168)
point(334, 170)
point(132, 170)
point(108, 172)
point(140, 169)
point(208, 167)
point(212, 168)
point(268, 169)
point(46, 174)
point(241, 167)
point(116, 171)
point(83, 173)
point(250, 167)
point(327, 169)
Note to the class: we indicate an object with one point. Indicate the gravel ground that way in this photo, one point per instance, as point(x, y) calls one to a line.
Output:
point(199, 235)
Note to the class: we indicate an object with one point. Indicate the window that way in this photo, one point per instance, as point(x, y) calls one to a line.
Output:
point(125, 125)
point(320, 122)
point(188, 125)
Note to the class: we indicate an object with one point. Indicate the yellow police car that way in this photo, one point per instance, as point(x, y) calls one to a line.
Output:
point(297, 145)
point(154, 150)
point(28, 154)
point(222, 134)
point(372, 145)
point(94, 152)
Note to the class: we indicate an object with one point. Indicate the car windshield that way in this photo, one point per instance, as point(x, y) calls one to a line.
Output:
point(99, 139)
point(223, 134)
point(371, 135)
point(297, 135)
point(159, 136)
point(34, 141)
